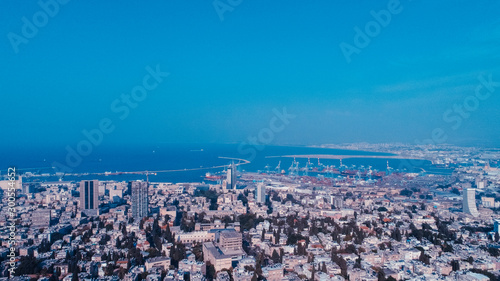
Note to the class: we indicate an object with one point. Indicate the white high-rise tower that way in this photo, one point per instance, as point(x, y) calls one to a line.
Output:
point(469, 202)
point(260, 193)
point(231, 176)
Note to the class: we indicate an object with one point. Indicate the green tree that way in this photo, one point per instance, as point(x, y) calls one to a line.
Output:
point(211, 274)
point(275, 257)
point(323, 268)
point(74, 277)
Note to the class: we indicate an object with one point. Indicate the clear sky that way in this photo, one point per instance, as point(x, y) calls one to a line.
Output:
point(227, 76)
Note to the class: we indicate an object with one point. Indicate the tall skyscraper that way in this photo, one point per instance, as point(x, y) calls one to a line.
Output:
point(231, 176)
point(89, 197)
point(469, 202)
point(140, 199)
point(260, 193)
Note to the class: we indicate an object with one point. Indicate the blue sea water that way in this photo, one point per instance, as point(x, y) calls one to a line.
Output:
point(178, 157)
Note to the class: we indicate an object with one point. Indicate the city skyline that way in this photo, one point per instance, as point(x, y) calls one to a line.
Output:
point(233, 140)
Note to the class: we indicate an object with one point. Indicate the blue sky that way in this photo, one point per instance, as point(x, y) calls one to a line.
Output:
point(226, 77)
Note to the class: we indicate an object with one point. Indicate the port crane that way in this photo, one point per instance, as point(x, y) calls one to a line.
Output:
point(389, 169)
point(278, 167)
point(294, 168)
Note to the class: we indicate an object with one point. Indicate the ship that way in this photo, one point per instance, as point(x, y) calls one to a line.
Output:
point(211, 177)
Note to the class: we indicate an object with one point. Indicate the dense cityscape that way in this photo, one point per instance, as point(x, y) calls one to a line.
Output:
point(318, 222)
point(250, 140)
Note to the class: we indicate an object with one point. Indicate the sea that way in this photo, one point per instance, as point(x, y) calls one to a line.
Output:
point(184, 162)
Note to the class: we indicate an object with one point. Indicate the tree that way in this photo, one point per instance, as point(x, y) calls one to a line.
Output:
point(380, 275)
point(382, 209)
point(198, 252)
point(277, 236)
point(143, 276)
point(121, 273)
point(447, 248)
point(74, 277)
point(53, 277)
point(351, 249)
point(340, 261)
point(109, 227)
point(124, 230)
point(406, 192)
point(108, 271)
point(168, 234)
point(275, 257)
point(424, 258)
point(258, 264)
point(177, 253)
point(243, 199)
point(247, 221)
point(494, 251)
point(211, 195)
point(396, 235)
